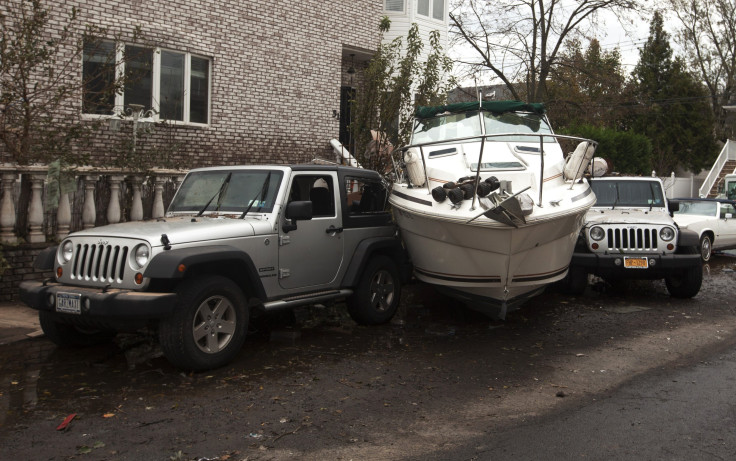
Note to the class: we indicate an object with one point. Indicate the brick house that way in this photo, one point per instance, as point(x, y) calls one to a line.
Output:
point(242, 82)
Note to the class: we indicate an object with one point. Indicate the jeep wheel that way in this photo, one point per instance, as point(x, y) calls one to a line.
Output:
point(706, 248)
point(209, 324)
point(685, 283)
point(377, 294)
point(65, 335)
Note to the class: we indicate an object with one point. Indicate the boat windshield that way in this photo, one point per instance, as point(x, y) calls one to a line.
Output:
point(524, 124)
point(447, 127)
point(628, 193)
point(227, 191)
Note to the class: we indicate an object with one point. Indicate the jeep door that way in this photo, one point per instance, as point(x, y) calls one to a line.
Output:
point(311, 255)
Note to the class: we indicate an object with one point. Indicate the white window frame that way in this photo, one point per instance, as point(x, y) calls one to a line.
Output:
point(402, 10)
point(156, 86)
point(430, 16)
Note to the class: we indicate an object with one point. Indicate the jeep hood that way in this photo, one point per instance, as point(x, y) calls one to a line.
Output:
point(628, 216)
point(179, 230)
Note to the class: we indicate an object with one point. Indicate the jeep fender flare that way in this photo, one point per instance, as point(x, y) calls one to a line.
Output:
point(688, 238)
point(166, 265)
point(389, 246)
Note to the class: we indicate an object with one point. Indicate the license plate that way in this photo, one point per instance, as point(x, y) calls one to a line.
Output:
point(636, 263)
point(69, 303)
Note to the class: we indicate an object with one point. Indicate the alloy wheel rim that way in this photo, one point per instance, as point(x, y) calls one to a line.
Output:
point(382, 290)
point(214, 324)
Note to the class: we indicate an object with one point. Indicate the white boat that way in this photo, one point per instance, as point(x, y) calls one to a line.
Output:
point(495, 235)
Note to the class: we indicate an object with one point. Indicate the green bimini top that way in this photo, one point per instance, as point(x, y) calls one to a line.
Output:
point(496, 107)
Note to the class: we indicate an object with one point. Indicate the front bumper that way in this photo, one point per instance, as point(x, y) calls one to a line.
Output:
point(611, 265)
point(96, 304)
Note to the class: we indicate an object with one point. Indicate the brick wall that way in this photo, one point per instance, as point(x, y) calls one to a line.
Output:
point(20, 258)
point(277, 68)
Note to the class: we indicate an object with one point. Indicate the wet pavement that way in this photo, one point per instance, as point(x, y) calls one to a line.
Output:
point(316, 386)
point(17, 322)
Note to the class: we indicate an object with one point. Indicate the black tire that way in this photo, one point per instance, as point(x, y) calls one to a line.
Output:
point(377, 295)
point(575, 282)
point(209, 324)
point(685, 283)
point(65, 335)
point(706, 247)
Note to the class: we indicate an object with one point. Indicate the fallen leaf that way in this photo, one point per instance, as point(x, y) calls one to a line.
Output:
point(64, 424)
point(108, 415)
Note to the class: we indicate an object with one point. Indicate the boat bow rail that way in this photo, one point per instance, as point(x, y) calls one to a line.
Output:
point(576, 162)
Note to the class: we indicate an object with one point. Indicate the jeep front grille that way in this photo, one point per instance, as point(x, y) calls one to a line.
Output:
point(99, 263)
point(632, 239)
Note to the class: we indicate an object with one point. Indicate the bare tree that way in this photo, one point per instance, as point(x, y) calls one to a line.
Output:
point(708, 36)
point(520, 40)
point(41, 81)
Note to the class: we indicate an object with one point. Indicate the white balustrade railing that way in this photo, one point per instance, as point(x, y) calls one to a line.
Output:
point(34, 220)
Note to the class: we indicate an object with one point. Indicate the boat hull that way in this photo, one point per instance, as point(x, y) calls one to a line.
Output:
point(489, 263)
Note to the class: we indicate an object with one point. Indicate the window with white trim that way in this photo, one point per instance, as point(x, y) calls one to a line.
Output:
point(434, 9)
point(393, 5)
point(176, 85)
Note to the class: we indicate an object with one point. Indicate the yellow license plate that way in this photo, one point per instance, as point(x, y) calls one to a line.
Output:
point(636, 263)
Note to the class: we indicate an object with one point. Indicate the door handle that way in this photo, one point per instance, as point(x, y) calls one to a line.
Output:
point(333, 230)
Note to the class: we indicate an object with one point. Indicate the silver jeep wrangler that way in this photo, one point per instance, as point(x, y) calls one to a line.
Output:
point(233, 239)
point(629, 234)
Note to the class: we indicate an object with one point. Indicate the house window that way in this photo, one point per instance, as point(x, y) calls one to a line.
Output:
point(98, 70)
point(175, 85)
point(431, 8)
point(393, 5)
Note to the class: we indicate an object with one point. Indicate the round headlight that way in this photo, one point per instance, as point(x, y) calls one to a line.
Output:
point(597, 233)
point(66, 252)
point(667, 234)
point(141, 255)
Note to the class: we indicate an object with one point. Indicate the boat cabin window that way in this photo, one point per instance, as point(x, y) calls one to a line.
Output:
point(364, 196)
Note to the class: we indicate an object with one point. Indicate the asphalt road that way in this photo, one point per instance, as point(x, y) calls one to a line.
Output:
point(623, 372)
point(687, 413)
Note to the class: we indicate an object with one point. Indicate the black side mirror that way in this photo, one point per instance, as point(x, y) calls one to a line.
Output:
point(673, 206)
point(297, 211)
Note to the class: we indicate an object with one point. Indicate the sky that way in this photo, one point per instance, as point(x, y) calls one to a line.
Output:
point(612, 35)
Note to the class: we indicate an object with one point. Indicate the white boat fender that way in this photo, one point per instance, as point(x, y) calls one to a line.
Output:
point(598, 167)
point(414, 166)
point(577, 162)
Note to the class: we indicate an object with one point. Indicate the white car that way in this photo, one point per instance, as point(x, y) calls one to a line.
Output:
point(714, 220)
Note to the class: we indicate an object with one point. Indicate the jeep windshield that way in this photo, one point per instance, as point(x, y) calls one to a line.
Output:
point(227, 191)
point(625, 193)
